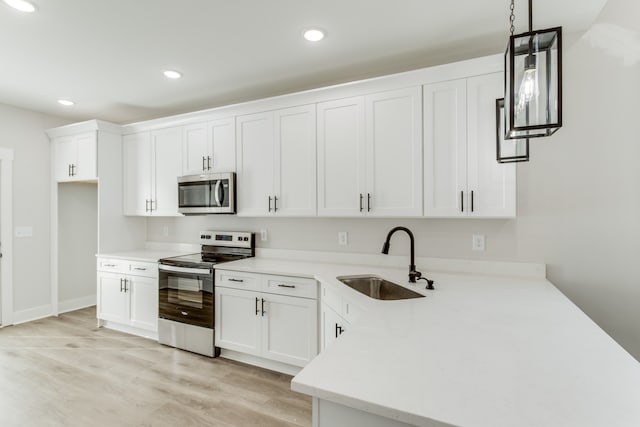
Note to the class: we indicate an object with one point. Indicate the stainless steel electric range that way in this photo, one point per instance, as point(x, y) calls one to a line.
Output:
point(186, 291)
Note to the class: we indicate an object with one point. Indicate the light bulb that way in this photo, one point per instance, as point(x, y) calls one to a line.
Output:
point(529, 85)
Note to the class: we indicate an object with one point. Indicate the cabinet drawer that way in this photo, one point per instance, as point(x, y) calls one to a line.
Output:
point(146, 269)
point(113, 265)
point(238, 280)
point(294, 286)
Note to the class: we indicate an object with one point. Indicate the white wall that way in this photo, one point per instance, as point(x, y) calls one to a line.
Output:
point(578, 198)
point(23, 131)
point(77, 244)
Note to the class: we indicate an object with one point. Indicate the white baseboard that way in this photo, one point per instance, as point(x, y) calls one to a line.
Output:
point(30, 314)
point(76, 304)
point(272, 365)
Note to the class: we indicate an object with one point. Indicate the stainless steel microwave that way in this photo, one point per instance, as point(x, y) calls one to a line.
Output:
point(213, 193)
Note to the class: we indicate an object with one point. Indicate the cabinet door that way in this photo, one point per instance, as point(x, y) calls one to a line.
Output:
point(65, 155)
point(194, 149)
point(290, 329)
point(332, 326)
point(491, 185)
point(255, 143)
point(394, 153)
point(137, 173)
point(341, 157)
point(143, 298)
point(113, 302)
point(295, 161)
point(86, 165)
point(222, 146)
point(445, 149)
point(166, 168)
point(237, 319)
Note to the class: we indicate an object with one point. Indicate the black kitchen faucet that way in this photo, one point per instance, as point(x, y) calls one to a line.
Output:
point(413, 273)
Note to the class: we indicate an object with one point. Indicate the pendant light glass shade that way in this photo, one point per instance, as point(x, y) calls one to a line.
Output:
point(533, 84)
point(508, 150)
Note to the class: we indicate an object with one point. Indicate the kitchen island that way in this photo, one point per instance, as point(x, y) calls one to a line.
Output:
point(479, 350)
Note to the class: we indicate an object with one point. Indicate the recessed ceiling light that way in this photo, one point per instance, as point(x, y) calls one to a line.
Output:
point(21, 5)
point(171, 74)
point(314, 35)
point(66, 102)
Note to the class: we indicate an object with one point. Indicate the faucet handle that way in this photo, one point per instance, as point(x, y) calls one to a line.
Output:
point(429, 282)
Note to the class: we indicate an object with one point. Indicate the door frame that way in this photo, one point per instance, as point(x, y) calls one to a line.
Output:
point(6, 227)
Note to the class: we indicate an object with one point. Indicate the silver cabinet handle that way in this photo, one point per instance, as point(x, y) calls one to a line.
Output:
point(140, 268)
point(69, 170)
point(216, 193)
point(361, 197)
point(109, 265)
point(263, 312)
point(203, 166)
point(257, 310)
point(275, 204)
point(236, 280)
point(125, 285)
point(471, 200)
point(121, 279)
point(146, 205)
point(208, 162)
point(151, 208)
point(368, 202)
point(73, 170)
point(281, 285)
point(462, 201)
point(269, 203)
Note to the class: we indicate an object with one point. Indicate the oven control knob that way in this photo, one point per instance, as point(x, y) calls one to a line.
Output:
point(208, 236)
point(202, 236)
point(246, 239)
point(239, 238)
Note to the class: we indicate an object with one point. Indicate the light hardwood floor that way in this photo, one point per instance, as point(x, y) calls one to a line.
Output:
point(66, 372)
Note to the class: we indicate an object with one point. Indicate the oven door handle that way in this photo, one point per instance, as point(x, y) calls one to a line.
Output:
point(188, 270)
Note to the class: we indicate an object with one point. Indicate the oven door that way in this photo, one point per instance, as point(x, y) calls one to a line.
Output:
point(186, 295)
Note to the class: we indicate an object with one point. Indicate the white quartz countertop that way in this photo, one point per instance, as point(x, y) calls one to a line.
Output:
point(144, 255)
point(480, 350)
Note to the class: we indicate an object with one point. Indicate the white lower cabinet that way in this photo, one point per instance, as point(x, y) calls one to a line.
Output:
point(273, 317)
point(338, 312)
point(128, 295)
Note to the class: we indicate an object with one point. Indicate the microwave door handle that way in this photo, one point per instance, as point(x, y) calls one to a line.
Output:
point(217, 192)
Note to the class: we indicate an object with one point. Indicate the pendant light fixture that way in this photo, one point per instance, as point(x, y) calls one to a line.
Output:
point(508, 150)
point(533, 81)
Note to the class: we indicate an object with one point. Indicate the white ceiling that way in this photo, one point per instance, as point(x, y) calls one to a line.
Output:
point(108, 55)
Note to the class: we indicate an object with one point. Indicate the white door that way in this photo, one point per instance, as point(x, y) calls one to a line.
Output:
point(394, 153)
point(222, 146)
point(491, 185)
point(166, 167)
point(289, 329)
point(137, 173)
point(295, 161)
point(445, 149)
point(65, 156)
point(113, 301)
point(255, 163)
point(238, 315)
point(341, 158)
point(194, 149)
point(86, 165)
point(143, 299)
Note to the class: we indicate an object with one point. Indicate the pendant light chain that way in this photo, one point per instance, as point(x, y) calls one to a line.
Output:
point(512, 18)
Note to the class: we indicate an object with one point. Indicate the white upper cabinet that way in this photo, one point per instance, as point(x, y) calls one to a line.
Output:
point(276, 163)
point(75, 157)
point(461, 175)
point(445, 148)
point(152, 165)
point(341, 158)
point(491, 185)
point(370, 155)
point(209, 147)
point(394, 153)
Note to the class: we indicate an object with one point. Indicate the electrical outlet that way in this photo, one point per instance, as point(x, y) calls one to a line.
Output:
point(165, 231)
point(477, 242)
point(24, 231)
point(343, 238)
point(263, 235)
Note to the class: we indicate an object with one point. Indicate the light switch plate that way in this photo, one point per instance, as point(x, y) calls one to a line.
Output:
point(263, 235)
point(477, 242)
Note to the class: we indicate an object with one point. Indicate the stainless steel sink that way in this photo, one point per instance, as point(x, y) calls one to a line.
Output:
point(378, 288)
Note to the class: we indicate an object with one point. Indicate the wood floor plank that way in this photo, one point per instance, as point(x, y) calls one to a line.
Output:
point(65, 371)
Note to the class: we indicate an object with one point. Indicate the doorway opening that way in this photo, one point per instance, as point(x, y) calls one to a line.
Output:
point(6, 236)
